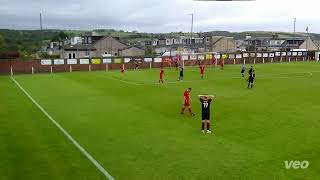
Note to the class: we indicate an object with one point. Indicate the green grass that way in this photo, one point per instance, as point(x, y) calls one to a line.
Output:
point(133, 127)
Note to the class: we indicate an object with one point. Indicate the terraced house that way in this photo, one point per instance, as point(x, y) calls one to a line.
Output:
point(100, 46)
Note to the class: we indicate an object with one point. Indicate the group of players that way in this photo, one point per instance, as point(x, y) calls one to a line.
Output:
point(205, 106)
point(250, 79)
point(205, 100)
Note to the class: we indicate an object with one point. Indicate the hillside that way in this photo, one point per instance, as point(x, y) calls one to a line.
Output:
point(28, 42)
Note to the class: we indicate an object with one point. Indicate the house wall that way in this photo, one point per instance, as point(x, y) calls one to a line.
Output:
point(162, 42)
point(169, 42)
point(155, 42)
point(224, 45)
point(276, 42)
point(76, 40)
point(108, 45)
point(160, 50)
point(78, 54)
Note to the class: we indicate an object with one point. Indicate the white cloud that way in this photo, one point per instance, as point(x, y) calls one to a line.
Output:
point(161, 15)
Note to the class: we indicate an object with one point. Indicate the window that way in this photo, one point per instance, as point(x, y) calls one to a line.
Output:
point(74, 55)
point(69, 55)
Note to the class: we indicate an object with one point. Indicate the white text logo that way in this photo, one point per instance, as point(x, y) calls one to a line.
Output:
point(296, 164)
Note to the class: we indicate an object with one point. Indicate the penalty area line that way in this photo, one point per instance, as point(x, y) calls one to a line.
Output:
point(74, 142)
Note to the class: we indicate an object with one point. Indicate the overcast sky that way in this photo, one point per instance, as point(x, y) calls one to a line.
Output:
point(161, 15)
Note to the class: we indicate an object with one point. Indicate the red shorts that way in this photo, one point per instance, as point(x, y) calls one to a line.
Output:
point(202, 72)
point(161, 77)
point(186, 103)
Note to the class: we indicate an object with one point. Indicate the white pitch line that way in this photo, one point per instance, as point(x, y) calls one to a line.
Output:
point(124, 81)
point(75, 143)
point(263, 76)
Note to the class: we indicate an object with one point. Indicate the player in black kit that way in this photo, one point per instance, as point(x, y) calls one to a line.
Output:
point(205, 104)
point(250, 70)
point(251, 78)
point(181, 74)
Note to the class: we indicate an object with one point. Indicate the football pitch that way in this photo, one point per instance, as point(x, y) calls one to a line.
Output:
point(132, 126)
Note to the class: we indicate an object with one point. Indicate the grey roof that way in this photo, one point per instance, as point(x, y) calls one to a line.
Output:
point(114, 38)
point(131, 47)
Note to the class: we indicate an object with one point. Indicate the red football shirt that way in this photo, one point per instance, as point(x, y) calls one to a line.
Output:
point(186, 95)
point(161, 72)
point(201, 69)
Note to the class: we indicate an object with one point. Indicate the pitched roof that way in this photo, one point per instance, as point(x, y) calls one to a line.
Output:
point(113, 39)
point(131, 47)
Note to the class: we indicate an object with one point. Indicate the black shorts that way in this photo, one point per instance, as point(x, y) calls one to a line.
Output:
point(205, 116)
point(251, 80)
point(181, 74)
point(242, 71)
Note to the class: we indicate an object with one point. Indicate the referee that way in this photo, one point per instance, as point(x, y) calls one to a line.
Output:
point(205, 106)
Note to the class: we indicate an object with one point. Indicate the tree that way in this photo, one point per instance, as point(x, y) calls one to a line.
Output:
point(2, 44)
point(149, 51)
point(60, 36)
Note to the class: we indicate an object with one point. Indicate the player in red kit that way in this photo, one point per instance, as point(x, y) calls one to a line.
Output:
point(186, 102)
point(201, 70)
point(222, 64)
point(161, 75)
point(213, 61)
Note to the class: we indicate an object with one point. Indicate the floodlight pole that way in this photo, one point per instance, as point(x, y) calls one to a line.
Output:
point(40, 21)
point(294, 29)
point(307, 42)
point(41, 32)
point(191, 32)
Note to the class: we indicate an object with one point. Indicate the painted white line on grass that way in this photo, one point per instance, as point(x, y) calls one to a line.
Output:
point(124, 81)
point(263, 76)
point(75, 143)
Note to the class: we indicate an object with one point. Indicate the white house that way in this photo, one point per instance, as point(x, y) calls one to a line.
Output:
point(76, 40)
